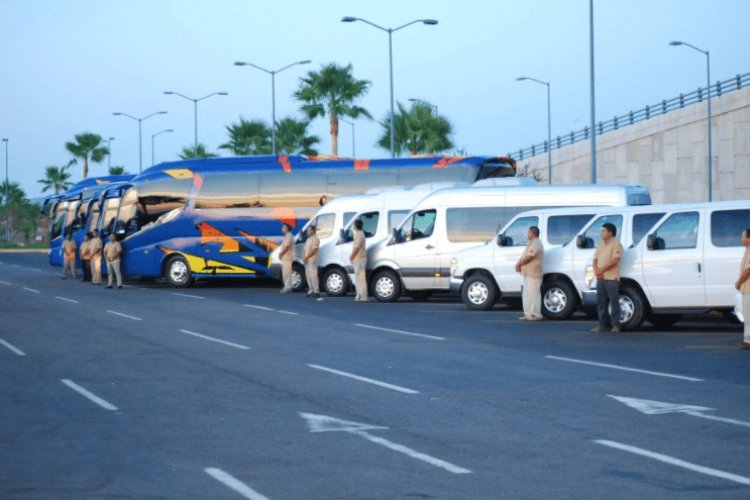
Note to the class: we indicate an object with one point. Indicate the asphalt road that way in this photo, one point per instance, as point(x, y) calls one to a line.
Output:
point(240, 392)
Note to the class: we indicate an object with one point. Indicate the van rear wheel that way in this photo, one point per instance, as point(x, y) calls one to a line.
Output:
point(478, 293)
point(386, 286)
point(559, 299)
point(336, 282)
point(177, 272)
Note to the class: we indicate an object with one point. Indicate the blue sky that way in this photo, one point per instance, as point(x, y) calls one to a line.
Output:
point(67, 65)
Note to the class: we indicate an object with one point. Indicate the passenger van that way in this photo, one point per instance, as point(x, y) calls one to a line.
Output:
point(416, 259)
point(380, 214)
point(485, 273)
point(687, 263)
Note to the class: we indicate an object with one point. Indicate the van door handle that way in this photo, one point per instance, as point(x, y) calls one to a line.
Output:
point(699, 267)
point(429, 247)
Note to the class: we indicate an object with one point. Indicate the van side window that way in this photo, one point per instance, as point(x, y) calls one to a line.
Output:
point(476, 224)
point(348, 216)
point(517, 234)
point(370, 223)
point(395, 217)
point(642, 223)
point(593, 233)
point(324, 225)
point(678, 231)
point(418, 226)
point(562, 228)
point(727, 225)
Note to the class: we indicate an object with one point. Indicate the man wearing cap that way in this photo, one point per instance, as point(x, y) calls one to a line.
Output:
point(95, 251)
point(311, 260)
point(113, 252)
point(69, 248)
point(286, 254)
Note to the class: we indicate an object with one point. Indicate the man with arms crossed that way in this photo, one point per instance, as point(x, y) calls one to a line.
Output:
point(95, 251)
point(743, 285)
point(359, 260)
point(113, 252)
point(530, 267)
point(311, 260)
point(286, 254)
point(607, 270)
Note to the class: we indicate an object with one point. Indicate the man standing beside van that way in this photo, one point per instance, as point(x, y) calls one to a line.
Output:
point(311, 260)
point(69, 248)
point(286, 254)
point(113, 254)
point(530, 266)
point(359, 260)
point(607, 271)
point(743, 285)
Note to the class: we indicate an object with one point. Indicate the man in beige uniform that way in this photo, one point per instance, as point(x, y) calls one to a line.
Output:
point(86, 257)
point(286, 254)
point(311, 260)
point(95, 250)
point(530, 267)
point(69, 248)
point(743, 285)
point(607, 271)
point(359, 260)
point(113, 253)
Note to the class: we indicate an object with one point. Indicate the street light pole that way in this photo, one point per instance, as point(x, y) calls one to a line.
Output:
point(153, 162)
point(591, 86)
point(390, 31)
point(549, 123)
point(354, 155)
point(708, 99)
point(140, 133)
point(273, 92)
point(7, 194)
point(195, 110)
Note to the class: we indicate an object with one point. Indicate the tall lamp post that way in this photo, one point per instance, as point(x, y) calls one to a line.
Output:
point(591, 92)
point(708, 100)
point(354, 155)
point(390, 31)
point(7, 193)
point(273, 92)
point(549, 124)
point(153, 136)
point(109, 152)
point(433, 107)
point(195, 108)
point(140, 133)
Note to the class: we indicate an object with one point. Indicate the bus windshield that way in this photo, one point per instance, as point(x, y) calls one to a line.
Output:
point(146, 203)
point(58, 220)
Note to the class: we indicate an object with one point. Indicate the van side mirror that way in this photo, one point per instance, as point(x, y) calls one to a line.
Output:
point(581, 241)
point(394, 236)
point(501, 240)
point(653, 242)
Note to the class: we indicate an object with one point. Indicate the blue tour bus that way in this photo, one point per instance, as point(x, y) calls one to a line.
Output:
point(221, 217)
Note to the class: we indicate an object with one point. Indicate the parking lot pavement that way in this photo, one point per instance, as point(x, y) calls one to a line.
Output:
point(240, 392)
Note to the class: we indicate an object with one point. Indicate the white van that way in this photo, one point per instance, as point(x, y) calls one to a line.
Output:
point(416, 259)
point(380, 214)
point(484, 273)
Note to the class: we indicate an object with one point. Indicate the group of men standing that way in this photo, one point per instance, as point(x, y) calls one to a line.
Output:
point(90, 253)
point(311, 260)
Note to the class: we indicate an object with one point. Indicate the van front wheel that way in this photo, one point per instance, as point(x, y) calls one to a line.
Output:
point(559, 299)
point(298, 278)
point(386, 286)
point(478, 293)
point(632, 308)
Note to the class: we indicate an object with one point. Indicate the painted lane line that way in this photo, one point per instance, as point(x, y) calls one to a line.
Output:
point(12, 348)
point(14, 265)
point(675, 461)
point(89, 395)
point(6, 282)
point(290, 313)
point(188, 295)
point(234, 484)
point(66, 299)
point(365, 379)
point(259, 307)
point(31, 290)
point(212, 339)
point(718, 419)
point(136, 318)
point(36, 269)
point(400, 332)
point(625, 368)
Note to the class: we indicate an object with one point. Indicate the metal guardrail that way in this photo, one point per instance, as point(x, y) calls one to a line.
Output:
point(632, 117)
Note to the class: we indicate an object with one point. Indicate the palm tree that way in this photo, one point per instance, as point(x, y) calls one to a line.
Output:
point(193, 152)
point(56, 178)
point(332, 91)
point(248, 137)
point(11, 193)
point(87, 147)
point(291, 137)
point(117, 170)
point(417, 130)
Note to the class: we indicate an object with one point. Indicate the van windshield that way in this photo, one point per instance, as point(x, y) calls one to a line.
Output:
point(369, 226)
point(419, 225)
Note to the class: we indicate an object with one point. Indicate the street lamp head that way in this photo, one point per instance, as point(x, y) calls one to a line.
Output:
point(675, 43)
point(169, 130)
point(168, 92)
point(431, 22)
point(522, 78)
point(240, 63)
point(161, 113)
point(111, 139)
point(306, 61)
point(117, 114)
point(222, 93)
point(348, 19)
point(5, 139)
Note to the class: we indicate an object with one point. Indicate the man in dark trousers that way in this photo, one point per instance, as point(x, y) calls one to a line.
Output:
point(607, 270)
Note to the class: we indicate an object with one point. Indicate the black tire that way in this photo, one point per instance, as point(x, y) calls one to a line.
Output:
point(419, 295)
point(386, 286)
point(664, 321)
point(559, 299)
point(479, 293)
point(336, 282)
point(299, 283)
point(632, 308)
point(177, 272)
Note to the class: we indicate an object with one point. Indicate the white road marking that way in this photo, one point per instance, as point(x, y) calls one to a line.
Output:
point(676, 462)
point(400, 332)
point(234, 483)
point(626, 369)
point(324, 423)
point(365, 379)
point(14, 265)
point(36, 269)
point(6, 282)
point(66, 299)
point(89, 395)
point(136, 318)
point(13, 348)
point(188, 295)
point(212, 339)
point(650, 407)
point(718, 419)
point(259, 307)
point(288, 312)
point(31, 290)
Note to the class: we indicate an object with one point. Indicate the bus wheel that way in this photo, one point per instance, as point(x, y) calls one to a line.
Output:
point(336, 282)
point(178, 272)
point(298, 278)
point(632, 308)
point(559, 300)
point(478, 293)
point(386, 286)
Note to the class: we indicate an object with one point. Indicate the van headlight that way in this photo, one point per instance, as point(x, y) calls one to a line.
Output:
point(590, 277)
point(454, 266)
